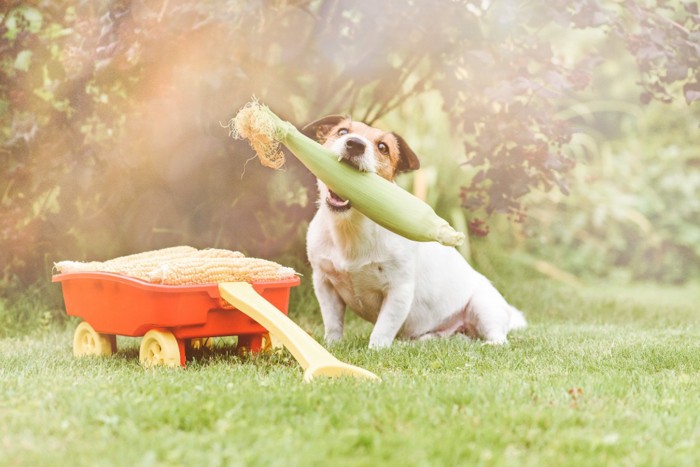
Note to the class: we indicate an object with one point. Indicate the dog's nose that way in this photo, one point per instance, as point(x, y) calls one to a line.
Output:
point(354, 147)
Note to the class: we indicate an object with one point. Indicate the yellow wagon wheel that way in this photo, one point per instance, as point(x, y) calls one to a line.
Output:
point(87, 341)
point(270, 343)
point(201, 343)
point(159, 348)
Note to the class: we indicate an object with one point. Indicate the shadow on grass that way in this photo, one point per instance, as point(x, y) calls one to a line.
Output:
point(224, 349)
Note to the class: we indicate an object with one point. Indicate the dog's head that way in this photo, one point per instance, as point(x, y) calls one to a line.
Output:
point(366, 148)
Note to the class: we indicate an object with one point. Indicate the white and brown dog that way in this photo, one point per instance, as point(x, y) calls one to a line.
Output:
point(415, 290)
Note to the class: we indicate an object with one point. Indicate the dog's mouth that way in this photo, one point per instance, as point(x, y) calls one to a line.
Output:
point(336, 203)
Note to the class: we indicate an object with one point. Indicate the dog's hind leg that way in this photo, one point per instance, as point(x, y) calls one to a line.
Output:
point(490, 314)
point(517, 319)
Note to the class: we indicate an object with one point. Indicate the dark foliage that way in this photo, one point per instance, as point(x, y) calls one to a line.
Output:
point(110, 110)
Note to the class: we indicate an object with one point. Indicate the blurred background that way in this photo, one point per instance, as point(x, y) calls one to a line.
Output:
point(562, 134)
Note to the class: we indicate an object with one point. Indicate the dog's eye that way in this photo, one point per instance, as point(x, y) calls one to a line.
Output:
point(383, 148)
point(342, 132)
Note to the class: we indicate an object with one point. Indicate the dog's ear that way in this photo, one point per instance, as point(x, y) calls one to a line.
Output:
point(407, 158)
point(319, 129)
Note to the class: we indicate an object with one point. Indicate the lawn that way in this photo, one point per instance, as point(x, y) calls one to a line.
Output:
point(603, 376)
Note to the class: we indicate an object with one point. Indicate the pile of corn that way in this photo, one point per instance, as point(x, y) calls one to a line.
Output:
point(185, 265)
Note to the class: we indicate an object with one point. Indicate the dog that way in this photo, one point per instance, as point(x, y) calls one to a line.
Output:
point(412, 290)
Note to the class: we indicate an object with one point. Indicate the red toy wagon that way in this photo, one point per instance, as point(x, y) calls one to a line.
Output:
point(171, 318)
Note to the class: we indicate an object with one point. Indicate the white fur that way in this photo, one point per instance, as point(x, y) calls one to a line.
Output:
point(414, 290)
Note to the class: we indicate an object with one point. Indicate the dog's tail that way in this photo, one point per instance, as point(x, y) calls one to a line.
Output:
point(517, 319)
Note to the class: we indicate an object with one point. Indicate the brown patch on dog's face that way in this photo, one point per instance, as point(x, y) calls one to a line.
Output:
point(390, 152)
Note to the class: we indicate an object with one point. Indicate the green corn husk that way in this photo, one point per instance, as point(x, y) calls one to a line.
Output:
point(384, 202)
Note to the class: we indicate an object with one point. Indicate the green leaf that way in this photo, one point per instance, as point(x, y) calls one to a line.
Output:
point(33, 17)
point(23, 60)
point(21, 19)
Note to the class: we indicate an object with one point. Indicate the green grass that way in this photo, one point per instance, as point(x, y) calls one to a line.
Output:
point(603, 376)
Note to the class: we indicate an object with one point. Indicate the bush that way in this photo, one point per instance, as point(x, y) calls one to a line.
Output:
point(30, 310)
point(110, 110)
point(633, 210)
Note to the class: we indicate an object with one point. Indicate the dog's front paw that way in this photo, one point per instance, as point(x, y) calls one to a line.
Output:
point(379, 342)
point(333, 337)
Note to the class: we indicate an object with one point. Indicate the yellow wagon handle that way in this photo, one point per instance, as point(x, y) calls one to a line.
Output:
point(312, 356)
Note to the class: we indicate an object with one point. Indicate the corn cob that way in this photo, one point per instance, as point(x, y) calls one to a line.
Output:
point(382, 201)
point(189, 271)
point(136, 270)
point(137, 265)
point(62, 267)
